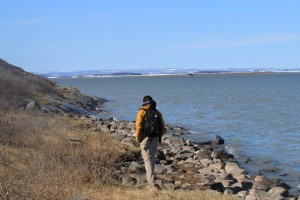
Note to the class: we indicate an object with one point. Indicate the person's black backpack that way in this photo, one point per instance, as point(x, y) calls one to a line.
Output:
point(152, 126)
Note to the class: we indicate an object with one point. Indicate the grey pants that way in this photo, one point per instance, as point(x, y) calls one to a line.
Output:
point(148, 156)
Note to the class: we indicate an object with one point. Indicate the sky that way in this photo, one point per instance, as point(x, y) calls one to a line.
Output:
point(72, 35)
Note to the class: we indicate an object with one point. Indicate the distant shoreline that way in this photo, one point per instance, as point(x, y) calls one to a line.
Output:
point(179, 74)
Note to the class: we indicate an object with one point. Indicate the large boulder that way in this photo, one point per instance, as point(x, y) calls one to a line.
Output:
point(234, 169)
point(218, 140)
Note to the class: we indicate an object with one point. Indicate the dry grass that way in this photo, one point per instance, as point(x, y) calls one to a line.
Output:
point(38, 160)
point(50, 157)
point(117, 193)
point(16, 85)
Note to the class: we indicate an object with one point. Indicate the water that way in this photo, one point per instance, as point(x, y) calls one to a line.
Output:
point(257, 115)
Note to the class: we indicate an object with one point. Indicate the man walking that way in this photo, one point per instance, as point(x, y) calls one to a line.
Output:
point(150, 127)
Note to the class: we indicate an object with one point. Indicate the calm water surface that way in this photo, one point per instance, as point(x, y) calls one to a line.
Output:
point(258, 115)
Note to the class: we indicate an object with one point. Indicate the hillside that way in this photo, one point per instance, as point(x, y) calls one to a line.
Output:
point(19, 88)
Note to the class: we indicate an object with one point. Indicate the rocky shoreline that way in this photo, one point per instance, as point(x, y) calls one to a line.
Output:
point(188, 165)
point(181, 164)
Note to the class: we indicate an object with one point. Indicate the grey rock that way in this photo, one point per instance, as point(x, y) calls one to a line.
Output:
point(280, 191)
point(175, 141)
point(168, 185)
point(250, 197)
point(163, 146)
point(136, 167)
point(218, 140)
point(179, 133)
point(104, 128)
point(130, 141)
point(242, 194)
point(261, 183)
point(217, 166)
point(176, 149)
point(170, 167)
point(140, 179)
point(263, 195)
point(190, 142)
point(131, 125)
point(233, 168)
point(128, 181)
point(183, 156)
point(206, 162)
point(221, 155)
point(199, 155)
point(186, 186)
point(228, 191)
point(33, 105)
point(159, 169)
point(189, 148)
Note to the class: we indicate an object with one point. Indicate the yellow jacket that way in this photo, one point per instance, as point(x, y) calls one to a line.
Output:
point(139, 123)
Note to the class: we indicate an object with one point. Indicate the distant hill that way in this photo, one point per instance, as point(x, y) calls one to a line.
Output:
point(167, 71)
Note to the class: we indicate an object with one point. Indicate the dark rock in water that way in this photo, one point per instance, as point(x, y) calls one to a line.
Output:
point(219, 140)
point(268, 170)
point(284, 174)
point(205, 143)
point(178, 133)
point(247, 161)
point(284, 185)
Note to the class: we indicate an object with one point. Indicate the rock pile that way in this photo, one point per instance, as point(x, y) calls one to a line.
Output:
point(188, 165)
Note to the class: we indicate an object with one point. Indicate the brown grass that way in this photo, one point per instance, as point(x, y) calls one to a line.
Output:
point(50, 157)
point(117, 193)
point(38, 160)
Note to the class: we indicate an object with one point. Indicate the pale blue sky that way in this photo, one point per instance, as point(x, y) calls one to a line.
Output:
point(64, 35)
